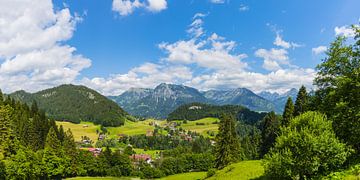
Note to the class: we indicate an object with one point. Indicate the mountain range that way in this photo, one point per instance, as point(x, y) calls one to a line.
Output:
point(75, 103)
point(165, 98)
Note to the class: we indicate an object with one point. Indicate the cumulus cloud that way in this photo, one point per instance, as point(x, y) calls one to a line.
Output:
point(273, 58)
point(127, 7)
point(147, 75)
point(33, 55)
point(157, 5)
point(319, 50)
point(346, 31)
point(284, 44)
point(208, 62)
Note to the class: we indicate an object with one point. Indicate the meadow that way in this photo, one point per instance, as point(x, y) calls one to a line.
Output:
point(130, 128)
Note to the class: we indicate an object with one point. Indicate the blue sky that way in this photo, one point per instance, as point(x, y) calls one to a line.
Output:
point(269, 45)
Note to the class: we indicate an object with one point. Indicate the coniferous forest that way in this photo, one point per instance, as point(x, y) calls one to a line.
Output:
point(316, 136)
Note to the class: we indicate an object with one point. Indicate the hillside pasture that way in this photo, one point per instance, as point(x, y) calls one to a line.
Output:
point(83, 129)
point(201, 126)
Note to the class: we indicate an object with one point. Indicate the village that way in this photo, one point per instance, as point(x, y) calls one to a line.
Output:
point(170, 130)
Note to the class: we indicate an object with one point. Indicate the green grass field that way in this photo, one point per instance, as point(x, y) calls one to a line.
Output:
point(134, 128)
point(130, 128)
point(79, 130)
point(152, 153)
point(241, 171)
point(105, 178)
point(202, 129)
point(187, 176)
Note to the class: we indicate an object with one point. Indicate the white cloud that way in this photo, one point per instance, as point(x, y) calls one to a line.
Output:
point(282, 43)
point(157, 5)
point(213, 53)
point(127, 7)
point(147, 75)
point(33, 55)
point(272, 58)
point(244, 7)
point(277, 81)
point(319, 50)
point(208, 62)
point(344, 31)
point(195, 28)
point(217, 1)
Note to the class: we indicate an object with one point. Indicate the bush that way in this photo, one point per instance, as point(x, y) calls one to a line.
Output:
point(210, 173)
point(307, 148)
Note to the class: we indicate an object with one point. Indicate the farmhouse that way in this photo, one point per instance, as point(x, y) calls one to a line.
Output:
point(137, 158)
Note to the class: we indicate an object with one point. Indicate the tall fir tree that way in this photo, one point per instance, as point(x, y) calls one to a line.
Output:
point(52, 140)
point(53, 157)
point(288, 112)
point(1, 98)
point(270, 131)
point(5, 131)
point(227, 148)
point(71, 154)
point(301, 102)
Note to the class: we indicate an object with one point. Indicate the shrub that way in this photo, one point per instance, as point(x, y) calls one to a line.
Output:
point(306, 148)
point(210, 173)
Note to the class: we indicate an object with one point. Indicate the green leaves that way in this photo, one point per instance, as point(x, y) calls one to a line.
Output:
point(306, 148)
point(338, 96)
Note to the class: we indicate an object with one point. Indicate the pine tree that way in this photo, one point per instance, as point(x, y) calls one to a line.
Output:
point(52, 140)
point(1, 98)
point(227, 146)
point(301, 102)
point(53, 158)
point(5, 130)
point(61, 134)
point(269, 133)
point(288, 112)
point(71, 154)
point(34, 109)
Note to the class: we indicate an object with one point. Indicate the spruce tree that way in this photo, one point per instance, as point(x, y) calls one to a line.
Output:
point(5, 130)
point(1, 98)
point(227, 145)
point(52, 140)
point(288, 112)
point(34, 109)
point(53, 157)
point(71, 154)
point(301, 102)
point(61, 134)
point(270, 131)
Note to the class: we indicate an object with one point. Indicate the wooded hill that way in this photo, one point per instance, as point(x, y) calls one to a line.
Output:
point(75, 103)
point(195, 111)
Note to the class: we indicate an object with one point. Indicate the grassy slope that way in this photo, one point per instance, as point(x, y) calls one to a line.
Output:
point(78, 130)
point(202, 129)
point(135, 128)
point(238, 171)
point(105, 178)
point(187, 176)
point(241, 171)
point(152, 153)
